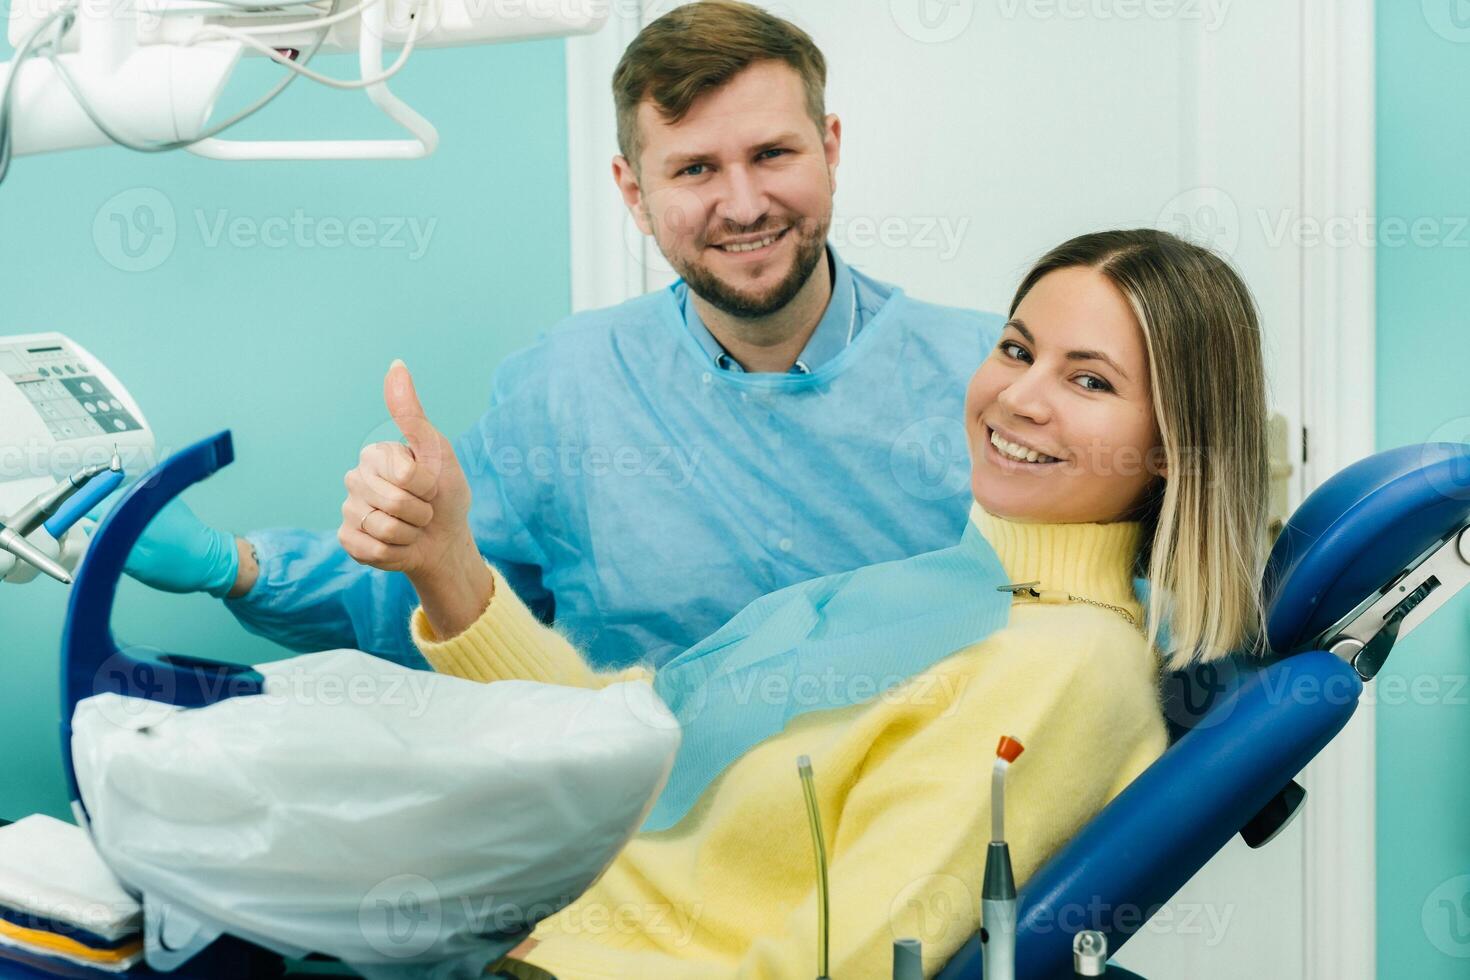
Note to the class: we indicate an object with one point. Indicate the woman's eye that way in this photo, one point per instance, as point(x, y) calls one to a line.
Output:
point(1102, 385)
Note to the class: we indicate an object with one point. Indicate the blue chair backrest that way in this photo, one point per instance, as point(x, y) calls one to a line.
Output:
point(1245, 727)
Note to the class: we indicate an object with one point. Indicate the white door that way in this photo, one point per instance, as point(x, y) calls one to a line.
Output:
point(979, 133)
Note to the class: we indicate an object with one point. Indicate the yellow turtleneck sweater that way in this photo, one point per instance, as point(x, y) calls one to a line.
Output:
point(903, 784)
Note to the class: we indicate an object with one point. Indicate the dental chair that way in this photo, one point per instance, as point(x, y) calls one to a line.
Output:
point(1363, 561)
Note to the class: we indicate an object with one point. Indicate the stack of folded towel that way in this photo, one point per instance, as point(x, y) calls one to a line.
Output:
point(58, 901)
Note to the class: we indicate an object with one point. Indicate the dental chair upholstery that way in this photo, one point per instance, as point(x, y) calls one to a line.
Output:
point(1239, 740)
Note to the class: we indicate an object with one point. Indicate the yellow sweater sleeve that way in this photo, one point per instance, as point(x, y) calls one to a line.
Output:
point(908, 852)
point(508, 642)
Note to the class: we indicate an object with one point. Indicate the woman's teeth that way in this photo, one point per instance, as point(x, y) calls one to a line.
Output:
point(1019, 453)
point(752, 246)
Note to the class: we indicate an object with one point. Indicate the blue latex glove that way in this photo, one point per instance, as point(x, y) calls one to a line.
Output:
point(180, 553)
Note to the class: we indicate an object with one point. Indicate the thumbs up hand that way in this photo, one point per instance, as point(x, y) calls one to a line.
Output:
point(407, 510)
point(407, 507)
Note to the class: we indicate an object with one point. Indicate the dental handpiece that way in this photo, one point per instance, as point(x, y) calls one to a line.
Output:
point(29, 553)
point(998, 893)
point(39, 510)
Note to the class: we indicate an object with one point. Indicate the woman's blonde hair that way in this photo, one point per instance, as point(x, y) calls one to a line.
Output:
point(1204, 528)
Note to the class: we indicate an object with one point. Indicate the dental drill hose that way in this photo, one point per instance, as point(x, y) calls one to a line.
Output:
point(814, 817)
point(40, 510)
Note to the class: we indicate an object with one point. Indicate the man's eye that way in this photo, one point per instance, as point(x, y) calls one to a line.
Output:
point(693, 170)
point(764, 154)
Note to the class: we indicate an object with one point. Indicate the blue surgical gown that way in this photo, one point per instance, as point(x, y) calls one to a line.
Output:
point(639, 495)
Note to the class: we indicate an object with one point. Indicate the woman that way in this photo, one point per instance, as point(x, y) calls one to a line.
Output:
point(1129, 378)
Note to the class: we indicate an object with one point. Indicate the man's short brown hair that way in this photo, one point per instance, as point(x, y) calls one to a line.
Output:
point(699, 47)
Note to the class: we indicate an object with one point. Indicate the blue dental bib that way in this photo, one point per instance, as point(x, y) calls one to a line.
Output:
point(817, 645)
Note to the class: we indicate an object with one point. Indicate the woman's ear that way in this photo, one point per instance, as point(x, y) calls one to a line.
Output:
point(1159, 459)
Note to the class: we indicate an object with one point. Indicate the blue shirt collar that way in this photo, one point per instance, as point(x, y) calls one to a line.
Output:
point(837, 328)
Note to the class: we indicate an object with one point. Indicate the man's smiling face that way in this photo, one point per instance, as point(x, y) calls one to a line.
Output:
point(738, 193)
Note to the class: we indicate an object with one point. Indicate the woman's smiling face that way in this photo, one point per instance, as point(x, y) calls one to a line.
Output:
point(1093, 414)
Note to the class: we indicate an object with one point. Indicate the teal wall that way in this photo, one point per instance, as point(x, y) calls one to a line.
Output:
point(285, 343)
point(1423, 353)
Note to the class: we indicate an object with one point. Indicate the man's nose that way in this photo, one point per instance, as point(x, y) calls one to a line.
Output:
point(743, 201)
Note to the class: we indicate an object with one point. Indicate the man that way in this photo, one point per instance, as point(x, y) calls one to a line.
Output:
point(646, 470)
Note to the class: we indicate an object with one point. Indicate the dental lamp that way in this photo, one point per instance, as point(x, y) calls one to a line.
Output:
point(146, 74)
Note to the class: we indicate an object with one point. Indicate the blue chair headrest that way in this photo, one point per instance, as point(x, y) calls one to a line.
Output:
point(1347, 540)
point(1356, 532)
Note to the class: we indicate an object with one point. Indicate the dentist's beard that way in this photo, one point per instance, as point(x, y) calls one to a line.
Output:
point(721, 295)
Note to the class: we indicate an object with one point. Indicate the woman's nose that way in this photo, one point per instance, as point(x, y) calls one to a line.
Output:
point(1026, 397)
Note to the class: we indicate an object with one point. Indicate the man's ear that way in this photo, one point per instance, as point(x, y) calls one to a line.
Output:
point(832, 146)
point(626, 177)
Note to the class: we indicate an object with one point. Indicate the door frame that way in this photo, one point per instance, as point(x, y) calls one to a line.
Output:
point(610, 263)
point(1339, 382)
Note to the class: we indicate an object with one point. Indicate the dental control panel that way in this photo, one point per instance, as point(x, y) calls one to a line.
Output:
point(58, 381)
point(69, 434)
point(61, 408)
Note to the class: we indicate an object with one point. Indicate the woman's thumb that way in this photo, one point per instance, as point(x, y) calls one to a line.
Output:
point(408, 413)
